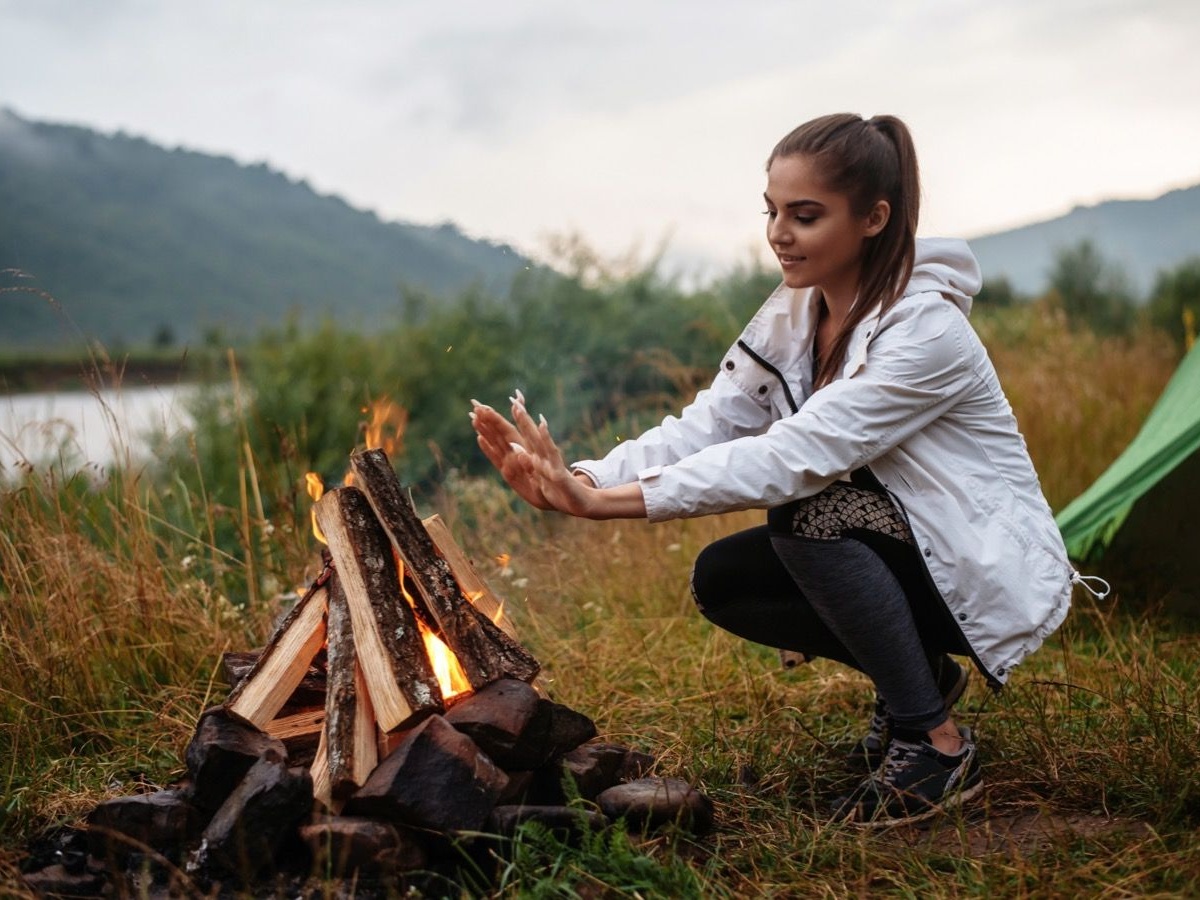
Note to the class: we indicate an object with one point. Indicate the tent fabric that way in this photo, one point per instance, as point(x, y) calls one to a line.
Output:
point(1170, 435)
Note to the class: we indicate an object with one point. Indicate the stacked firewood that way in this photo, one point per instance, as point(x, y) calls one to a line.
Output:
point(336, 751)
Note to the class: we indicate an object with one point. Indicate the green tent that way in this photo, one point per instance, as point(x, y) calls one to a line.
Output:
point(1140, 516)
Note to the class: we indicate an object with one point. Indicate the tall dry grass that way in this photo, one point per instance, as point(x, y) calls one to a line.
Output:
point(112, 622)
point(1079, 397)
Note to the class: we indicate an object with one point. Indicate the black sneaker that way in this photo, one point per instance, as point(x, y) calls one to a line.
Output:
point(867, 755)
point(916, 781)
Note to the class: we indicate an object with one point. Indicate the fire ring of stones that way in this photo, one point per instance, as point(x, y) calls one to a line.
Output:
point(341, 753)
point(246, 811)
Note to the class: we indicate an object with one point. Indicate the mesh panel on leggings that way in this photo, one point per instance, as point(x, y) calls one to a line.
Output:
point(844, 507)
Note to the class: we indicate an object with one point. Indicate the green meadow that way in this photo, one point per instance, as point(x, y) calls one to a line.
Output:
point(118, 598)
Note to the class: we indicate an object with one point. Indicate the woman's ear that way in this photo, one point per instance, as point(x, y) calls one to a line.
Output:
point(877, 218)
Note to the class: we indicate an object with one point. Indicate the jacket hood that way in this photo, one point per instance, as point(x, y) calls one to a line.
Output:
point(948, 267)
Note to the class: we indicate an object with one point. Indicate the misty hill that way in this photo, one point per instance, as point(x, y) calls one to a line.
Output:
point(137, 241)
point(1141, 236)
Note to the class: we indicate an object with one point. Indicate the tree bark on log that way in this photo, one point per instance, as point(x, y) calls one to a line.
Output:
point(484, 651)
point(400, 679)
point(349, 719)
point(468, 579)
point(284, 662)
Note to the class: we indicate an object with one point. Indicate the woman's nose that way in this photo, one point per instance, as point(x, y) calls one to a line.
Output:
point(777, 232)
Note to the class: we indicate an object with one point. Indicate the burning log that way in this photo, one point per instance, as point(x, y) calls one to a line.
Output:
point(484, 651)
point(350, 722)
point(468, 579)
point(399, 677)
point(284, 663)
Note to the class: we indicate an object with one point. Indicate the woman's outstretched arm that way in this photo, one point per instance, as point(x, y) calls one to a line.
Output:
point(529, 460)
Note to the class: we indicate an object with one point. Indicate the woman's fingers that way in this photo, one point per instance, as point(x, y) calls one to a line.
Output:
point(526, 455)
point(527, 432)
point(487, 421)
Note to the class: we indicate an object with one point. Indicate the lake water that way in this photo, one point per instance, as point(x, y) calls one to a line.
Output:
point(92, 430)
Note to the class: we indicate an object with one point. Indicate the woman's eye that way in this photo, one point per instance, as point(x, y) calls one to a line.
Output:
point(806, 220)
point(770, 213)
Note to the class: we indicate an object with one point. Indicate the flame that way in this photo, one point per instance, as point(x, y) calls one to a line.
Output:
point(450, 675)
point(476, 596)
point(384, 429)
point(316, 489)
point(449, 671)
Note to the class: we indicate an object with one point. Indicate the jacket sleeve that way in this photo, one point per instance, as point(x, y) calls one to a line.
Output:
point(916, 370)
point(722, 412)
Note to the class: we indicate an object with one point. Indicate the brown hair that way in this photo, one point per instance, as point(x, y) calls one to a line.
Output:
point(867, 160)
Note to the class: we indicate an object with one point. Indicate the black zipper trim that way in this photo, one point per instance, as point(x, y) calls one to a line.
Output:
point(787, 391)
point(994, 683)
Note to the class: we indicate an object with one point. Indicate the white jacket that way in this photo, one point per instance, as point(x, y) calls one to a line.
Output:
point(918, 402)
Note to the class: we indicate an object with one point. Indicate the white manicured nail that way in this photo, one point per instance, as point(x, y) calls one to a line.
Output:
point(517, 448)
point(520, 396)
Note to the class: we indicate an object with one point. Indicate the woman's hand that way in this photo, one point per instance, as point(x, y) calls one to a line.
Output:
point(560, 488)
point(500, 442)
point(529, 460)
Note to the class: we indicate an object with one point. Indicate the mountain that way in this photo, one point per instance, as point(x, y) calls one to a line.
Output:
point(136, 241)
point(1143, 237)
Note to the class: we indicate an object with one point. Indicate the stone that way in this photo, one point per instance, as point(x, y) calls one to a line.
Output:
point(436, 778)
point(637, 764)
point(497, 719)
point(249, 827)
point(517, 789)
point(221, 752)
point(594, 767)
point(649, 803)
point(518, 728)
point(565, 822)
point(164, 821)
point(347, 845)
point(566, 728)
point(591, 768)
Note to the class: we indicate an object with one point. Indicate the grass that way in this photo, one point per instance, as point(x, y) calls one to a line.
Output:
point(114, 611)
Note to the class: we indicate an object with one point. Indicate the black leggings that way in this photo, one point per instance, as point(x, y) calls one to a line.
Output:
point(837, 575)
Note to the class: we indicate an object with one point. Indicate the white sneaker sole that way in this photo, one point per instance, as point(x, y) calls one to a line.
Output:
point(955, 800)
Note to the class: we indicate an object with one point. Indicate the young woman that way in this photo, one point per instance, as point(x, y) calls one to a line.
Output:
point(905, 521)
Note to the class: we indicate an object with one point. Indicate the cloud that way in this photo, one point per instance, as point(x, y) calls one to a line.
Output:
point(628, 121)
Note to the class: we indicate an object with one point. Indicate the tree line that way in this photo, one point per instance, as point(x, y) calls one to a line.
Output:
point(1094, 292)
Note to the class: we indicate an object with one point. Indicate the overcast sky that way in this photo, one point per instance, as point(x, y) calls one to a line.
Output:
point(630, 122)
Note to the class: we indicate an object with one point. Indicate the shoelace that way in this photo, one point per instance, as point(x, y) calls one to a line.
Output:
point(879, 720)
point(901, 755)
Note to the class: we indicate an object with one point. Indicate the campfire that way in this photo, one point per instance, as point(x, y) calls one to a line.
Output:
point(392, 712)
point(390, 613)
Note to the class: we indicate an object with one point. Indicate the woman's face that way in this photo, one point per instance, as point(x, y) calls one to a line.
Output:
point(815, 235)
